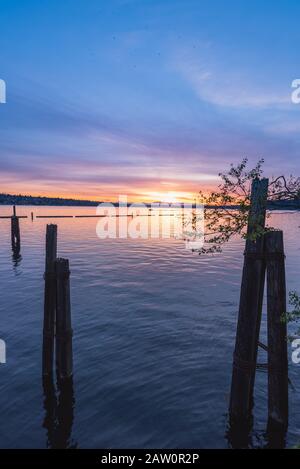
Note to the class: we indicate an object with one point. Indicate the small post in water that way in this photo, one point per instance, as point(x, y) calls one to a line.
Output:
point(64, 354)
point(15, 232)
point(277, 332)
point(49, 300)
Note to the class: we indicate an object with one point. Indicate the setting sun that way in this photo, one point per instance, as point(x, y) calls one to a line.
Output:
point(169, 197)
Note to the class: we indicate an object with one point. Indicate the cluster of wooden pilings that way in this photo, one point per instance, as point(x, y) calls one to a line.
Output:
point(57, 338)
point(57, 343)
point(264, 253)
point(57, 330)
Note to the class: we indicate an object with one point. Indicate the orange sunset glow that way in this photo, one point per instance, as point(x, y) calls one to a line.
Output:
point(167, 192)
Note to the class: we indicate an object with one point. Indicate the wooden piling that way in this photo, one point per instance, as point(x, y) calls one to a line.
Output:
point(247, 336)
point(277, 332)
point(49, 300)
point(15, 234)
point(64, 358)
point(31, 216)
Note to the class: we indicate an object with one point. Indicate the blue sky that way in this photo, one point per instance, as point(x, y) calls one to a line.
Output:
point(145, 97)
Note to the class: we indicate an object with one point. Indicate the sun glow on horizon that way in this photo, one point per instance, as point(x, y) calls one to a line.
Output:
point(169, 197)
point(138, 194)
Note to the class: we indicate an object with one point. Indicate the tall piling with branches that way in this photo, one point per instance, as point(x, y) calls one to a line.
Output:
point(277, 332)
point(247, 336)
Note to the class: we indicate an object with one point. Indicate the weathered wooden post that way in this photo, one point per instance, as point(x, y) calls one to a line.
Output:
point(64, 356)
point(247, 335)
point(15, 234)
point(277, 332)
point(49, 300)
point(31, 216)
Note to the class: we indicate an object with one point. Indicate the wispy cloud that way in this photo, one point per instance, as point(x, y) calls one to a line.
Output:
point(287, 128)
point(226, 87)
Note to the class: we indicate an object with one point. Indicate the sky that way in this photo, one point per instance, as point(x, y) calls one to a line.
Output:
point(146, 98)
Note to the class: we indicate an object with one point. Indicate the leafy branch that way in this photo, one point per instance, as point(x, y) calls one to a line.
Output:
point(226, 211)
point(294, 314)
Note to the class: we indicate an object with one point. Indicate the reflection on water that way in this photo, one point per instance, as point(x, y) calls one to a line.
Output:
point(16, 259)
point(50, 405)
point(59, 413)
point(275, 437)
point(244, 435)
point(154, 328)
point(240, 435)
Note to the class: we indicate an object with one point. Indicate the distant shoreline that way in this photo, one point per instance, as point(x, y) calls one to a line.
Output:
point(27, 200)
point(9, 199)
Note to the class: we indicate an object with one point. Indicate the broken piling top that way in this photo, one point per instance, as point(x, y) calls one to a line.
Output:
point(51, 247)
point(258, 208)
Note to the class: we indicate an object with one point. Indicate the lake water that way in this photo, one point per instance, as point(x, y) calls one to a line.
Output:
point(154, 328)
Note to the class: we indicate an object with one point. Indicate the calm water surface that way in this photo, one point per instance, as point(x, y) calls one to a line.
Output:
point(154, 327)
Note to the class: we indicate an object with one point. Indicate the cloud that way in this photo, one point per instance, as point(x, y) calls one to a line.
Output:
point(53, 145)
point(225, 87)
point(286, 127)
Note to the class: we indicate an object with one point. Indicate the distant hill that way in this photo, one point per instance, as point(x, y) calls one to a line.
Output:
point(9, 199)
point(284, 204)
